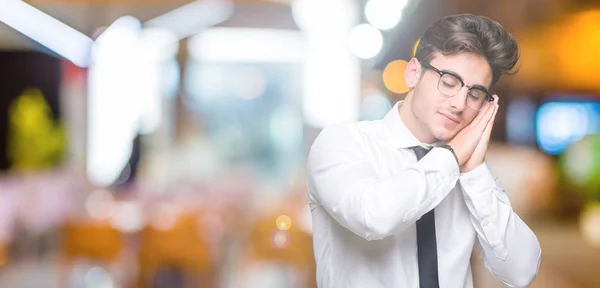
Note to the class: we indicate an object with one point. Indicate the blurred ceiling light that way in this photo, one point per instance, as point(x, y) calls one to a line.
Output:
point(365, 41)
point(384, 14)
point(329, 67)
point(113, 114)
point(156, 46)
point(46, 30)
point(323, 16)
point(125, 92)
point(259, 45)
point(124, 31)
point(194, 17)
point(158, 43)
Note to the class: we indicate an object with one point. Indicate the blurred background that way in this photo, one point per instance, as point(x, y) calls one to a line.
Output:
point(152, 143)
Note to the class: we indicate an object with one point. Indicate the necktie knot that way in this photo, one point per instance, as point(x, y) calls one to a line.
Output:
point(420, 151)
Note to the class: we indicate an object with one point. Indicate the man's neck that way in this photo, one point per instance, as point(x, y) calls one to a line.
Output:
point(414, 126)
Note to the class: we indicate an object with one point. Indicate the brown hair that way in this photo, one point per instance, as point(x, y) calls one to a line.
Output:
point(472, 34)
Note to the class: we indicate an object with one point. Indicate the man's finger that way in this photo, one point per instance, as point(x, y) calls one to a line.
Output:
point(488, 128)
point(486, 116)
point(496, 106)
point(482, 114)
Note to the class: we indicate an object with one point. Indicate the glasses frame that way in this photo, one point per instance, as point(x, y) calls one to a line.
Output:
point(488, 96)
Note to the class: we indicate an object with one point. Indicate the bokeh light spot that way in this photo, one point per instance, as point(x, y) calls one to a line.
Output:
point(393, 76)
point(280, 239)
point(283, 222)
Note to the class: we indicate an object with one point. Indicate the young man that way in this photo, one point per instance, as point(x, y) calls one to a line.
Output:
point(401, 201)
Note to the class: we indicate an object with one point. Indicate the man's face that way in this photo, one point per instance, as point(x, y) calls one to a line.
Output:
point(442, 116)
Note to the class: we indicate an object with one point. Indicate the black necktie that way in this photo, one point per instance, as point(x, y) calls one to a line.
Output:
point(426, 243)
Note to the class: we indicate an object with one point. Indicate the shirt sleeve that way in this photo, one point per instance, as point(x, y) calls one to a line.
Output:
point(510, 249)
point(343, 180)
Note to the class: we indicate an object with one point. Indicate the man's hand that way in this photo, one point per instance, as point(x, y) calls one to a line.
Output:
point(470, 144)
point(478, 155)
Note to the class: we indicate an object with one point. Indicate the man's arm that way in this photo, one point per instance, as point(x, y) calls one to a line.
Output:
point(342, 179)
point(511, 251)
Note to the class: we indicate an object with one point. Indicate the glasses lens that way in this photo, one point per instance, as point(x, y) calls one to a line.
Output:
point(476, 98)
point(449, 85)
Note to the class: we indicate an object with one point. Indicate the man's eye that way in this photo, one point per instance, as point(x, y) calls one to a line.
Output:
point(449, 84)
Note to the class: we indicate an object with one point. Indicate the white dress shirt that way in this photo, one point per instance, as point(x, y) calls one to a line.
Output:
point(366, 192)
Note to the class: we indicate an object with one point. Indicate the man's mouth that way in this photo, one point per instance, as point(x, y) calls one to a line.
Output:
point(451, 117)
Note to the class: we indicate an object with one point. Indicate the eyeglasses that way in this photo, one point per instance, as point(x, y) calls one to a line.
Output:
point(449, 85)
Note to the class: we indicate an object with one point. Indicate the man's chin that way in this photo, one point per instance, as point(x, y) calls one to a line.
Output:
point(444, 135)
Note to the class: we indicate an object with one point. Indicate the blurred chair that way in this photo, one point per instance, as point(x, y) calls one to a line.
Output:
point(3, 254)
point(291, 248)
point(96, 241)
point(179, 248)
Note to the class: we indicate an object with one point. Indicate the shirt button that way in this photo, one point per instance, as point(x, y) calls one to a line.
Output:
point(485, 221)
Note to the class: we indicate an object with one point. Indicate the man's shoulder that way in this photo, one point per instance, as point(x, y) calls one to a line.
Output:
point(349, 135)
point(342, 127)
point(350, 130)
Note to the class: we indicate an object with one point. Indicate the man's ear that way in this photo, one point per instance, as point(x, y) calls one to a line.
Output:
point(412, 73)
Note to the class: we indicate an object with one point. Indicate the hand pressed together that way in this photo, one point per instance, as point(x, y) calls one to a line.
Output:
point(470, 144)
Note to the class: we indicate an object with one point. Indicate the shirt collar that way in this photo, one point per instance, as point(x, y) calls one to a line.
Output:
point(397, 132)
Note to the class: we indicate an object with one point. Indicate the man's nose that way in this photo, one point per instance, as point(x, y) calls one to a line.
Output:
point(459, 100)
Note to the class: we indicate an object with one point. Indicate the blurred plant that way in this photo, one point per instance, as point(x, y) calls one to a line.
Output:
point(580, 165)
point(35, 140)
